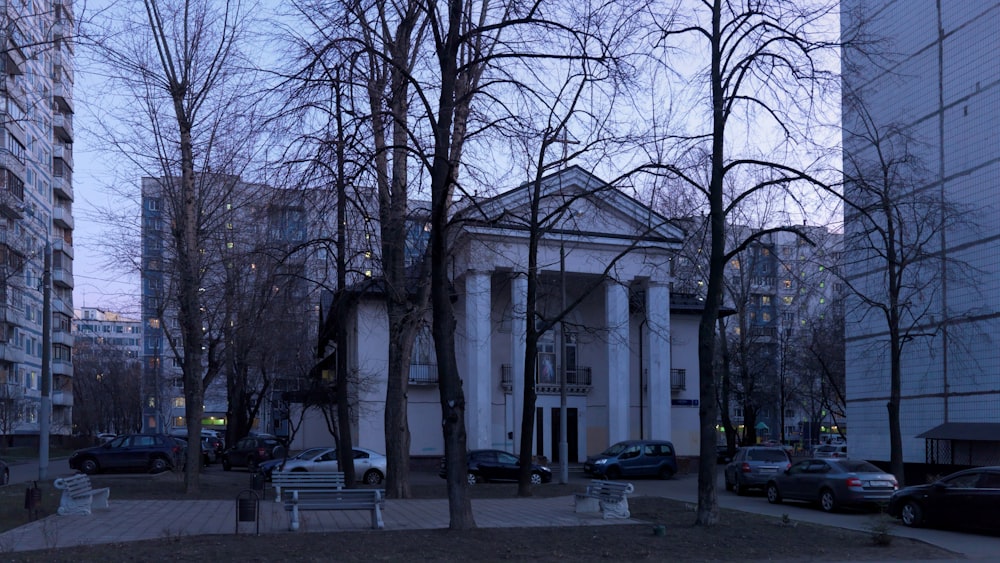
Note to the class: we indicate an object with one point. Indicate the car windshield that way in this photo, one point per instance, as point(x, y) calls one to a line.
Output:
point(859, 466)
point(766, 455)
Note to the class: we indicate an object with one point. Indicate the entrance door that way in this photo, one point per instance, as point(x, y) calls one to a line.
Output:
point(573, 447)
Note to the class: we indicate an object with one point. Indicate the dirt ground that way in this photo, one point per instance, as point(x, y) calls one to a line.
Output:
point(738, 537)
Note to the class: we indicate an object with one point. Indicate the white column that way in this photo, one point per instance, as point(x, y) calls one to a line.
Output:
point(518, 337)
point(658, 330)
point(478, 357)
point(619, 352)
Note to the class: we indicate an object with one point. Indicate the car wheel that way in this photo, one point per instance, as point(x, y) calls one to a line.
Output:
point(472, 479)
point(373, 477)
point(666, 472)
point(613, 473)
point(738, 488)
point(827, 501)
point(252, 465)
point(90, 466)
point(158, 465)
point(912, 515)
point(773, 496)
point(729, 486)
point(536, 478)
point(226, 466)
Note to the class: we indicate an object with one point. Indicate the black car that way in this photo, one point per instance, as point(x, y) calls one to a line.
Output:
point(249, 452)
point(967, 500)
point(498, 465)
point(132, 452)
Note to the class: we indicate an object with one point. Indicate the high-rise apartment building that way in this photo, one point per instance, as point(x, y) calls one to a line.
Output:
point(779, 289)
point(259, 287)
point(36, 214)
point(934, 79)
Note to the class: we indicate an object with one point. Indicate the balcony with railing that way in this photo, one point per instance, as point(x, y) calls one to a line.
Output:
point(13, 52)
point(62, 126)
point(64, 246)
point(62, 216)
point(62, 398)
point(62, 94)
point(63, 337)
point(578, 381)
point(63, 276)
point(63, 155)
point(423, 374)
point(62, 367)
point(11, 353)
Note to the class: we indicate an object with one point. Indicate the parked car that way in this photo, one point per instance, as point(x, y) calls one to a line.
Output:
point(132, 452)
point(270, 466)
point(498, 465)
point(369, 465)
point(211, 445)
point(634, 458)
point(967, 500)
point(830, 451)
point(832, 483)
point(753, 466)
point(249, 452)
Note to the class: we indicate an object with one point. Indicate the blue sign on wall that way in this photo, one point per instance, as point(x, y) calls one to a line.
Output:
point(684, 402)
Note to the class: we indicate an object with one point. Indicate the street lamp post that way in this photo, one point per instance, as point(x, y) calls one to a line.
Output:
point(46, 402)
point(563, 441)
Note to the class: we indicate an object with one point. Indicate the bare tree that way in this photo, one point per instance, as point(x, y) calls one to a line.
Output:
point(179, 62)
point(106, 390)
point(12, 405)
point(763, 68)
point(897, 225)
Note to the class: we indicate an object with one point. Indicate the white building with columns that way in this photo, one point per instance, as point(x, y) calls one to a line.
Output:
point(628, 346)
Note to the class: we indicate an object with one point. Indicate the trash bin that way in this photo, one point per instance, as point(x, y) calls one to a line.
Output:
point(247, 509)
point(257, 482)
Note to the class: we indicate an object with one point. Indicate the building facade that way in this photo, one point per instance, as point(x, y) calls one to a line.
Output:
point(627, 347)
point(36, 213)
point(935, 82)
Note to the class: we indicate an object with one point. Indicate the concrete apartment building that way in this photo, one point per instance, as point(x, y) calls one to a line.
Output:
point(36, 213)
point(938, 80)
point(246, 229)
point(778, 289)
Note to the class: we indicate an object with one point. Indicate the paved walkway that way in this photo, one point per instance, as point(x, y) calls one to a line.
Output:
point(151, 519)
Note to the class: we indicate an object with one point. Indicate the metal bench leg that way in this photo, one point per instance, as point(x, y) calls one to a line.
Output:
point(377, 523)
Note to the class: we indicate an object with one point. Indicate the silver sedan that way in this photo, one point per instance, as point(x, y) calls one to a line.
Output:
point(369, 465)
point(832, 483)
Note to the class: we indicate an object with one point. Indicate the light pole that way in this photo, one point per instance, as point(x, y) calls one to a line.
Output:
point(46, 402)
point(563, 441)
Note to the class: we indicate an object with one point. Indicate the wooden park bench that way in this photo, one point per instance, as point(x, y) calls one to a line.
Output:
point(79, 496)
point(610, 498)
point(324, 491)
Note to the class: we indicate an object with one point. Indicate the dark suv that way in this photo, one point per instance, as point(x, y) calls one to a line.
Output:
point(135, 452)
point(634, 458)
point(753, 466)
point(250, 451)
